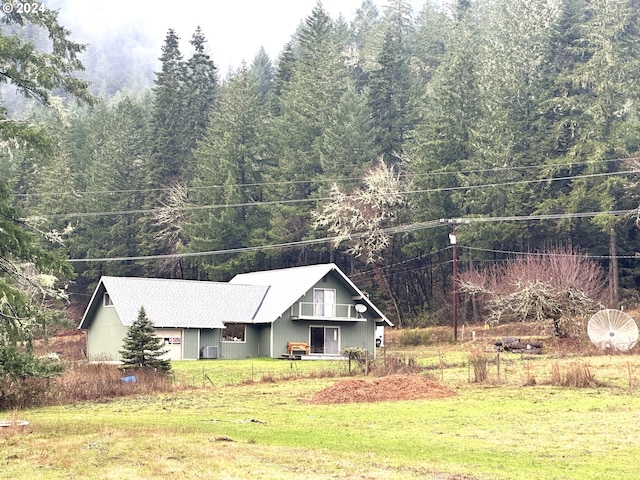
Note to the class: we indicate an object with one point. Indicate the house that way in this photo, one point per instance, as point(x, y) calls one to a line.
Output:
point(254, 315)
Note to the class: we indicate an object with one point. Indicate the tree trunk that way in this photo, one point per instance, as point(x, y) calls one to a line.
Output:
point(383, 281)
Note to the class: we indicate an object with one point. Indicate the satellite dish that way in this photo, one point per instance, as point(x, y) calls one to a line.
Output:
point(613, 329)
point(360, 308)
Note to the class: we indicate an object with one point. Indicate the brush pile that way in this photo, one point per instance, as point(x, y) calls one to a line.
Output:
point(391, 388)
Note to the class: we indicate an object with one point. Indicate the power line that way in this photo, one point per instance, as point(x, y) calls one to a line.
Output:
point(320, 199)
point(522, 182)
point(390, 231)
point(76, 193)
point(548, 254)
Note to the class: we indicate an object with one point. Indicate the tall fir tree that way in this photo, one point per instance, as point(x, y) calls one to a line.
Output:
point(365, 30)
point(200, 93)
point(232, 161)
point(264, 74)
point(444, 143)
point(169, 154)
point(117, 152)
point(508, 142)
point(390, 84)
point(304, 117)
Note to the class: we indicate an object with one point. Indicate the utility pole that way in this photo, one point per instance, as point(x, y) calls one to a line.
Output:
point(454, 222)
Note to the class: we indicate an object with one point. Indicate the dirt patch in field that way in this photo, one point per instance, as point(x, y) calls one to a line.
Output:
point(391, 388)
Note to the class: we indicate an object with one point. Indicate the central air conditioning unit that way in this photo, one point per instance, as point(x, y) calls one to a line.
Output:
point(209, 352)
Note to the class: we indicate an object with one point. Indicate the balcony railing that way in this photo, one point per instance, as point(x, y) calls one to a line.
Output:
point(336, 311)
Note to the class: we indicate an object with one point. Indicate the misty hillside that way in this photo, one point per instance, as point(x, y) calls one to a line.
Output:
point(117, 58)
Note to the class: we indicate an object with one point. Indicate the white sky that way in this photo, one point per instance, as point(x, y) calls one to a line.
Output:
point(234, 29)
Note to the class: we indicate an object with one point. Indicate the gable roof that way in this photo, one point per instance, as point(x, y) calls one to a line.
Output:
point(178, 303)
point(258, 297)
point(288, 285)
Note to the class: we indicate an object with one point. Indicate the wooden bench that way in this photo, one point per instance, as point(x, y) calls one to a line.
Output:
point(298, 346)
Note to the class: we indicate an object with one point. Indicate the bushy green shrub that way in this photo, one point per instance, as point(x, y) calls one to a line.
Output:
point(24, 379)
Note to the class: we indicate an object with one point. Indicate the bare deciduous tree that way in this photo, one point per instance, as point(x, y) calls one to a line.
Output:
point(560, 286)
point(169, 218)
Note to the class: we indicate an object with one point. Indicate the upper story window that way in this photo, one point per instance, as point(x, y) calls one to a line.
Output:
point(107, 300)
point(324, 302)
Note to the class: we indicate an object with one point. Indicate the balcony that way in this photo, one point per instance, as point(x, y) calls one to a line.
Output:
point(323, 311)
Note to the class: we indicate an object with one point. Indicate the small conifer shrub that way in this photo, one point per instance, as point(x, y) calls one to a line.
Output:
point(141, 348)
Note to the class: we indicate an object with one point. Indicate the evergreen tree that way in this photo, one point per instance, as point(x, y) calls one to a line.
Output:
point(433, 30)
point(594, 64)
point(284, 72)
point(305, 117)
point(169, 124)
point(141, 348)
point(365, 30)
point(232, 161)
point(444, 144)
point(200, 91)
point(29, 274)
point(262, 70)
point(509, 142)
point(390, 85)
point(117, 155)
point(346, 145)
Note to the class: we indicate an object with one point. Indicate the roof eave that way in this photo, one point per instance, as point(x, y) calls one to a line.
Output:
point(91, 306)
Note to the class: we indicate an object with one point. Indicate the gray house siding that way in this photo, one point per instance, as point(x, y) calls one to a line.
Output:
point(106, 335)
point(285, 331)
point(246, 349)
point(343, 295)
point(209, 337)
point(359, 334)
point(264, 340)
point(190, 344)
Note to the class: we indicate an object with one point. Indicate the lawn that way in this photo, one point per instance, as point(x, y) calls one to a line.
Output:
point(251, 419)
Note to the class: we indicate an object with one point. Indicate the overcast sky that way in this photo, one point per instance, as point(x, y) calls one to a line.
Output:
point(235, 29)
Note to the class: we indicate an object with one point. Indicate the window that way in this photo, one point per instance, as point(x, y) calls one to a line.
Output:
point(107, 300)
point(235, 332)
point(324, 302)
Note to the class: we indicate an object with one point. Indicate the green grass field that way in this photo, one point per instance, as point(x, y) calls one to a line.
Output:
point(250, 419)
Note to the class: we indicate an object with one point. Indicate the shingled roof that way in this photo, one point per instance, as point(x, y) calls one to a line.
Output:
point(259, 297)
point(179, 303)
point(287, 285)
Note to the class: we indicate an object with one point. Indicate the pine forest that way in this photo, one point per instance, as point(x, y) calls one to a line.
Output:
point(495, 130)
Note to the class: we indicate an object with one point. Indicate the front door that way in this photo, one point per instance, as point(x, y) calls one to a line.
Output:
point(325, 340)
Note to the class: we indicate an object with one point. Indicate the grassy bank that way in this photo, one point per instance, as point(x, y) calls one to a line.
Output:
point(251, 419)
point(267, 430)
